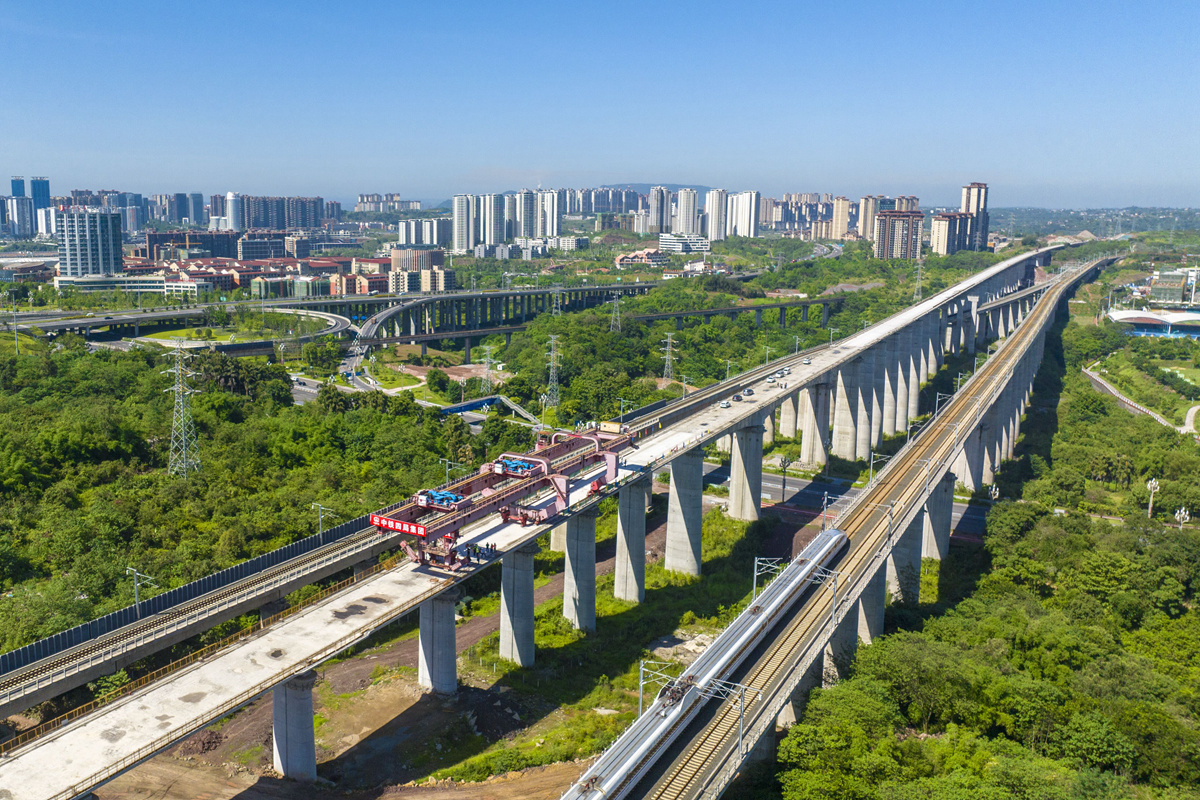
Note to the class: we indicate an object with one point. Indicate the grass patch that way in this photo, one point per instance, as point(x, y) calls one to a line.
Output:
point(577, 673)
point(251, 755)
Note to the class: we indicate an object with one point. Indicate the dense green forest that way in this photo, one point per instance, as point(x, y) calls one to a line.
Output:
point(1072, 668)
point(84, 492)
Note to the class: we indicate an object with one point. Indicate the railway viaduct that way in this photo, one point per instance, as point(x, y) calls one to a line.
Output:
point(844, 400)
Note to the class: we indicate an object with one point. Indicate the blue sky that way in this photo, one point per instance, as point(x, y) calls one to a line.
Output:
point(1051, 103)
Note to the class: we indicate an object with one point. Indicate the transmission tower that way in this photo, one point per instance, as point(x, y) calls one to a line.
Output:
point(486, 385)
point(552, 362)
point(184, 457)
point(614, 323)
point(669, 358)
point(917, 288)
point(556, 310)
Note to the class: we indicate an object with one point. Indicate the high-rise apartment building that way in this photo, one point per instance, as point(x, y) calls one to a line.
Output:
point(89, 242)
point(510, 216)
point(235, 221)
point(716, 210)
point(841, 217)
point(549, 214)
point(526, 210)
point(18, 186)
point(660, 209)
point(974, 202)
point(492, 219)
point(907, 202)
point(741, 217)
point(20, 214)
point(868, 207)
point(898, 234)
point(949, 232)
point(465, 224)
point(687, 219)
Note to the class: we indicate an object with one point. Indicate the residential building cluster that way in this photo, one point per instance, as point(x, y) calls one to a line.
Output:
point(385, 202)
point(25, 216)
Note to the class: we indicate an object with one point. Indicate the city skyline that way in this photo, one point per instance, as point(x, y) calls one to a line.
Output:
point(1073, 106)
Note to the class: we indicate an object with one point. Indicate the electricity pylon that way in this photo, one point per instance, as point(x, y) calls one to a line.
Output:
point(669, 359)
point(614, 323)
point(552, 362)
point(184, 458)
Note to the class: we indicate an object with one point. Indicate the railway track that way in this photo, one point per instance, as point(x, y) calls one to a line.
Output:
point(870, 523)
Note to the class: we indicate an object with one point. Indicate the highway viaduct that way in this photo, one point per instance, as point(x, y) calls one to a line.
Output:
point(848, 397)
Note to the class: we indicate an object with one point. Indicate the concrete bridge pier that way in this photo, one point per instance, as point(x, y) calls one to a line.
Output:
point(871, 604)
point(466, 350)
point(842, 645)
point(769, 427)
point(971, 321)
point(890, 375)
point(937, 518)
point(864, 400)
point(878, 359)
point(845, 408)
point(789, 425)
point(814, 415)
point(903, 567)
point(685, 513)
point(825, 309)
point(903, 356)
point(745, 477)
point(579, 590)
point(516, 605)
point(437, 663)
point(558, 538)
point(936, 342)
point(630, 573)
point(293, 740)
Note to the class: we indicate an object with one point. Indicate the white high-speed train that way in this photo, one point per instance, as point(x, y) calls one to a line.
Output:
point(629, 758)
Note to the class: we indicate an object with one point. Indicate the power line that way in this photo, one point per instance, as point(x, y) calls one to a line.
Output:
point(184, 458)
point(552, 362)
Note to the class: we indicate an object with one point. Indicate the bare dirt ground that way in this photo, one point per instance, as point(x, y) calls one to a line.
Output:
point(373, 729)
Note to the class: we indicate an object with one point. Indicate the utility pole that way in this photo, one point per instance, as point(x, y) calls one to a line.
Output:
point(684, 379)
point(728, 363)
point(138, 580)
point(797, 352)
point(767, 357)
point(183, 459)
point(321, 512)
point(449, 464)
